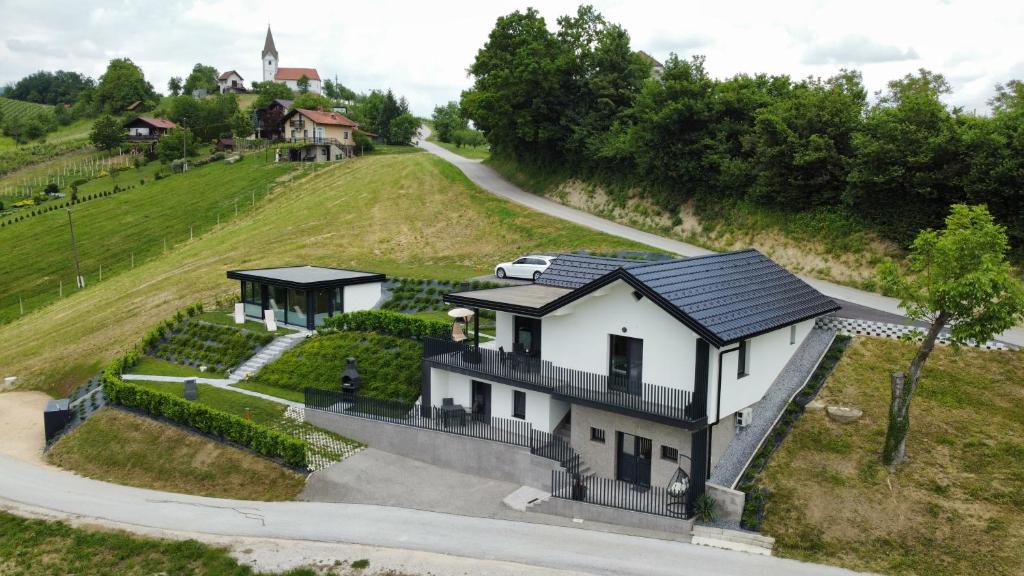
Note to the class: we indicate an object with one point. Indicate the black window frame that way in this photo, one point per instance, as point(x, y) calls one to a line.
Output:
point(669, 453)
point(597, 435)
point(519, 404)
point(742, 363)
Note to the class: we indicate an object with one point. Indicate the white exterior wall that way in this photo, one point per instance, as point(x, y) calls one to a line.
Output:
point(138, 131)
point(269, 67)
point(504, 331)
point(769, 353)
point(580, 339)
point(362, 296)
point(542, 412)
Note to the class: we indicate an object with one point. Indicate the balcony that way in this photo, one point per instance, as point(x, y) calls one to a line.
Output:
point(658, 403)
point(316, 140)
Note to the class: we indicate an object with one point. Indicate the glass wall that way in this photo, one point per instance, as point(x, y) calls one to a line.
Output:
point(297, 312)
point(338, 300)
point(278, 301)
point(322, 303)
point(252, 299)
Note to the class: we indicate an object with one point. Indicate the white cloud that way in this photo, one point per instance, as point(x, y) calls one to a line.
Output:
point(422, 50)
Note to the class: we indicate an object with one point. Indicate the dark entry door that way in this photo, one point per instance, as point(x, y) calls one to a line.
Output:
point(481, 400)
point(625, 364)
point(634, 459)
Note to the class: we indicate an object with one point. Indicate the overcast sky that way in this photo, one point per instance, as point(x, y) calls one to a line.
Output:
point(422, 49)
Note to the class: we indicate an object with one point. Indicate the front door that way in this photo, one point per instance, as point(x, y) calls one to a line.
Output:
point(481, 401)
point(625, 364)
point(633, 464)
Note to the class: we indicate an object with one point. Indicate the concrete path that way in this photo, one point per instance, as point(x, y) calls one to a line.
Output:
point(29, 487)
point(268, 354)
point(489, 179)
point(218, 382)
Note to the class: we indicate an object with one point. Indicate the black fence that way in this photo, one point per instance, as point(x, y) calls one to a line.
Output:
point(567, 383)
point(616, 494)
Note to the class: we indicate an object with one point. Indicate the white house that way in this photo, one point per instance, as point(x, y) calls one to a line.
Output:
point(640, 365)
point(230, 81)
point(288, 76)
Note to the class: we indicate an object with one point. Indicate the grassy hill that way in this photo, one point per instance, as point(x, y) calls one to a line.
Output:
point(113, 230)
point(402, 214)
point(9, 108)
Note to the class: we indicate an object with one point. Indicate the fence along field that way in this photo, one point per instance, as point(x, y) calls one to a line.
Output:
point(118, 232)
point(34, 179)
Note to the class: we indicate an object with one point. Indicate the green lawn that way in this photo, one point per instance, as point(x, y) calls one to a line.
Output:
point(955, 507)
point(474, 152)
point(390, 149)
point(258, 410)
point(157, 367)
point(185, 462)
point(286, 393)
point(408, 215)
point(224, 317)
point(112, 231)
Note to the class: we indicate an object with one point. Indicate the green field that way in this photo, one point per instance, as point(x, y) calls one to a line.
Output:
point(474, 152)
point(16, 109)
point(113, 231)
point(409, 215)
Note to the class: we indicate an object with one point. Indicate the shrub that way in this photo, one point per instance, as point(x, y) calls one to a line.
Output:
point(704, 508)
point(384, 322)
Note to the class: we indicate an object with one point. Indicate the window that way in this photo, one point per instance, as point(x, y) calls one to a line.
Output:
point(792, 334)
point(519, 404)
point(345, 134)
point(625, 364)
point(669, 453)
point(743, 364)
point(597, 434)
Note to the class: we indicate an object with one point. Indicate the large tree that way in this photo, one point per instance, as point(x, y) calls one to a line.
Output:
point(202, 77)
point(174, 85)
point(402, 129)
point(107, 133)
point(269, 91)
point(60, 87)
point(121, 85)
point(957, 277)
point(447, 120)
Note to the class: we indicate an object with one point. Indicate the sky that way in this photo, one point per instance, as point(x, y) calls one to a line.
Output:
point(422, 49)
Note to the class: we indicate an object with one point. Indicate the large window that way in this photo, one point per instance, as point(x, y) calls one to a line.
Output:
point(743, 365)
point(278, 301)
point(519, 404)
point(297, 312)
point(322, 302)
point(527, 336)
point(625, 364)
point(252, 299)
point(338, 301)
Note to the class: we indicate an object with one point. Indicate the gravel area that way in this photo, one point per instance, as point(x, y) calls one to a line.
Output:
point(729, 467)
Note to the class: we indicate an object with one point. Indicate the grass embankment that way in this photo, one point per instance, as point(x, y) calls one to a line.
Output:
point(158, 367)
point(389, 367)
point(404, 215)
point(826, 243)
point(957, 505)
point(111, 231)
point(117, 446)
point(42, 548)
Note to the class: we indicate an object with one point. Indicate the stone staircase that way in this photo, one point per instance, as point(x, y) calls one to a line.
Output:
point(268, 354)
point(563, 432)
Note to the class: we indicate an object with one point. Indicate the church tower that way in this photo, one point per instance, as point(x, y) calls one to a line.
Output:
point(270, 58)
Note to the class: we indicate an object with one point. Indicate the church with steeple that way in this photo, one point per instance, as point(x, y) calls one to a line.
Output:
point(288, 76)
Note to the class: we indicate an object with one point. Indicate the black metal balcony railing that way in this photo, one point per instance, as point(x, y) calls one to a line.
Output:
point(566, 383)
point(616, 494)
point(315, 140)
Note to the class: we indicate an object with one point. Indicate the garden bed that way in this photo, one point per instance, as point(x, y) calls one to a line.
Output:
point(191, 341)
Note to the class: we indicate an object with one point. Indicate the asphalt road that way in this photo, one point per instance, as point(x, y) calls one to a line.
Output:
point(32, 486)
point(867, 304)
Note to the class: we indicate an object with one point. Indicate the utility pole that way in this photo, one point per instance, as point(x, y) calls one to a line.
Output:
point(74, 248)
point(184, 140)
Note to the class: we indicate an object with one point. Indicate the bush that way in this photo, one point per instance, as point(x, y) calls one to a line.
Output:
point(219, 424)
point(383, 322)
point(705, 508)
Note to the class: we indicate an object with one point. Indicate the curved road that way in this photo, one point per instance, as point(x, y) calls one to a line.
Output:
point(863, 302)
point(34, 486)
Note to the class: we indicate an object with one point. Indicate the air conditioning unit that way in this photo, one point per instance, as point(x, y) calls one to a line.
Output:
point(744, 417)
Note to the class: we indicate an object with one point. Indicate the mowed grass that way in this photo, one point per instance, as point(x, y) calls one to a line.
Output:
point(256, 409)
point(410, 215)
point(37, 259)
point(474, 152)
point(43, 548)
point(159, 367)
point(957, 505)
point(118, 446)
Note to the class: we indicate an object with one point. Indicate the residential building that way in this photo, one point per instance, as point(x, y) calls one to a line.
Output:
point(319, 136)
point(231, 81)
point(146, 128)
point(269, 121)
point(288, 76)
point(641, 366)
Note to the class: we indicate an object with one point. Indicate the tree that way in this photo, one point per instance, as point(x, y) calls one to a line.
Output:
point(468, 137)
point(60, 87)
point(269, 91)
point(403, 129)
point(202, 77)
point(447, 120)
point(241, 124)
point(107, 133)
point(958, 277)
point(311, 101)
point(174, 85)
point(169, 147)
point(303, 84)
point(122, 84)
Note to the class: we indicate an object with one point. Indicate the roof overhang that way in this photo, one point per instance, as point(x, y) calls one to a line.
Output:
point(255, 276)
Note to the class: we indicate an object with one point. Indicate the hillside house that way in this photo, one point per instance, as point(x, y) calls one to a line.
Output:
point(319, 136)
point(144, 128)
point(269, 121)
point(230, 81)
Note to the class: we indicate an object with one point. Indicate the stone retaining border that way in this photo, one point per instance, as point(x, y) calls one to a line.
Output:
point(855, 327)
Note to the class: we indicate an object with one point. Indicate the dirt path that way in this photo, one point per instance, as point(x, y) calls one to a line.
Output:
point(21, 425)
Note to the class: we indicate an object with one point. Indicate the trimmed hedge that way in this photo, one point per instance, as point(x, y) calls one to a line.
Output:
point(384, 322)
point(219, 424)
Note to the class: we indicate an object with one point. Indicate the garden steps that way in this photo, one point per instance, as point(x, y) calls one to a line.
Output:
point(267, 354)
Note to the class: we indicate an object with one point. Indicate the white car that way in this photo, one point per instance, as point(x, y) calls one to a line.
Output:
point(529, 267)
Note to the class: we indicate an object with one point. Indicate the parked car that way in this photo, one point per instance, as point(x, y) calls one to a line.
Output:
point(529, 267)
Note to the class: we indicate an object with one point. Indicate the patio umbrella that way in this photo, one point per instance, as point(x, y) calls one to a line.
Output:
point(460, 312)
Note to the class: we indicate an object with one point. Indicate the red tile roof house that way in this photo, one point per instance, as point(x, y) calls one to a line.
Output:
point(320, 135)
point(287, 76)
point(145, 128)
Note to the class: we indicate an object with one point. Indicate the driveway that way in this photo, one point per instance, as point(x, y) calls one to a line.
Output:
point(489, 179)
point(29, 486)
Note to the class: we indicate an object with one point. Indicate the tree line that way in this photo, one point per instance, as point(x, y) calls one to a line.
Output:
point(579, 98)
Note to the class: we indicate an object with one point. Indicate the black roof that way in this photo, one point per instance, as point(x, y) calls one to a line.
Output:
point(724, 297)
point(306, 276)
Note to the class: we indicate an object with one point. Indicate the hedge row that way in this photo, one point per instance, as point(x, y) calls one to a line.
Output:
point(259, 439)
point(384, 322)
point(43, 209)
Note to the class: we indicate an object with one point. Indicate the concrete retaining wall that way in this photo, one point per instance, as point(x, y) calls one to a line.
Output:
point(738, 540)
point(674, 528)
point(728, 502)
point(484, 458)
